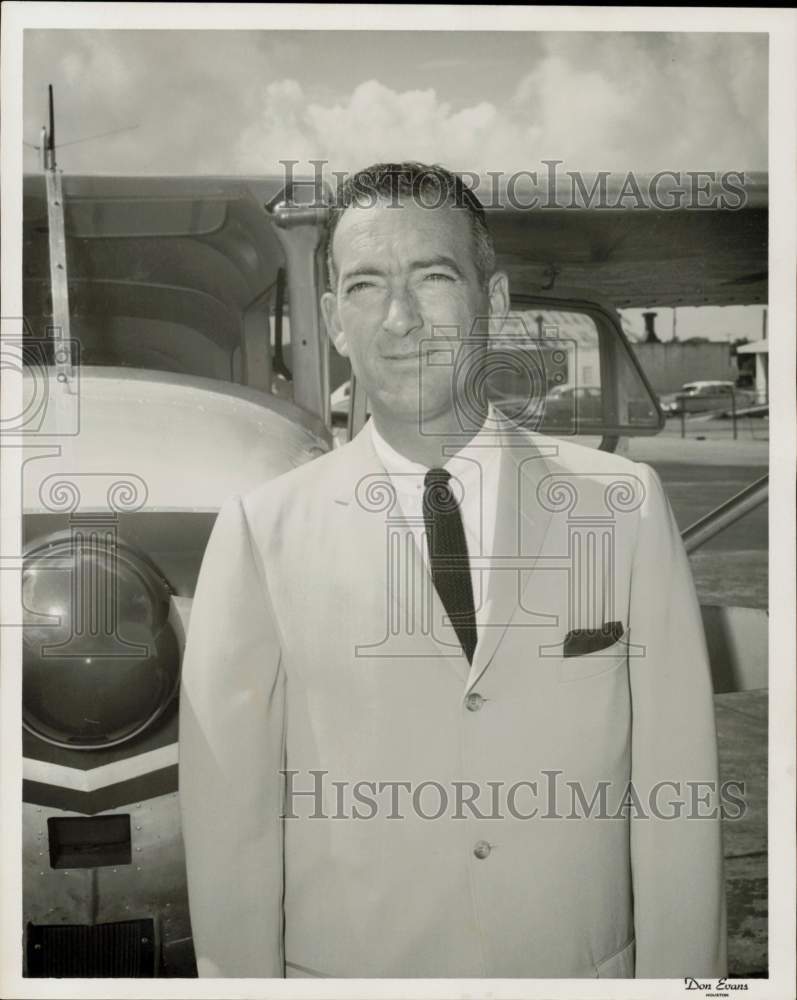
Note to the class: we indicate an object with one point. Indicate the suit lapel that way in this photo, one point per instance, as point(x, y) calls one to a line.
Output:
point(520, 532)
point(387, 566)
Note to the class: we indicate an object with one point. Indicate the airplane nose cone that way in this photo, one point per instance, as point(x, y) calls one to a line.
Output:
point(100, 659)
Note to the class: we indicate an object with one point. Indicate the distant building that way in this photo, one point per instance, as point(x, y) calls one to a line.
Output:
point(672, 363)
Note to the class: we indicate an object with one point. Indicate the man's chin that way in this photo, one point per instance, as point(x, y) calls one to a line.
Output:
point(397, 409)
point(423, 417)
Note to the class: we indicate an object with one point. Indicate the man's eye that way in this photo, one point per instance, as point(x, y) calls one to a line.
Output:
point(359, 286)
point(438, 276)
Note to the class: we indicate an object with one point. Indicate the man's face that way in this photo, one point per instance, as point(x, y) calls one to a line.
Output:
point(406, 274)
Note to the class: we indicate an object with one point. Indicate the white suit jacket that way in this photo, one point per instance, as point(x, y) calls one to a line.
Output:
point(305, 667)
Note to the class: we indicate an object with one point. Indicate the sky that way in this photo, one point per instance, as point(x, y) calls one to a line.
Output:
point(238, 102)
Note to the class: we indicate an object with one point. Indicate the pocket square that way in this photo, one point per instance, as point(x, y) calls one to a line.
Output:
point(581, 641)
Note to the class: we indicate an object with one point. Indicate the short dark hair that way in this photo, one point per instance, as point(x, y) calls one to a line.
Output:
point(390, 181)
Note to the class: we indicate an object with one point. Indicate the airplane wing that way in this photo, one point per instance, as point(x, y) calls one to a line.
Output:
point(637, 255)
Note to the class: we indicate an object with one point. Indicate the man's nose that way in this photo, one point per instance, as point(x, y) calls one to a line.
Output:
point(402, 315)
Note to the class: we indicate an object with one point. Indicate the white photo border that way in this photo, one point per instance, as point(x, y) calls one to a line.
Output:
point(781, 26)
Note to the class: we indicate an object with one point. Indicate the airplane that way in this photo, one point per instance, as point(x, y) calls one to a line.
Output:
point(173, 355)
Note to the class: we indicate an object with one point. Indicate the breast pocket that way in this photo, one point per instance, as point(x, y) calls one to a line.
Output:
point(603, 662)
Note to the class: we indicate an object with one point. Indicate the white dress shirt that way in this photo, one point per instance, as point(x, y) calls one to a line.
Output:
point(475, 475)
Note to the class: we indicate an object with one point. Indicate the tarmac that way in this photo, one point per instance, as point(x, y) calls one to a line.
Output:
point(741, 717)
point(716, 449)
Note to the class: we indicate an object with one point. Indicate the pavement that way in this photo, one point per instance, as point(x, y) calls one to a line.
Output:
point(730, 569)
point(742, 739)
point(713, 450)
point(699, 472)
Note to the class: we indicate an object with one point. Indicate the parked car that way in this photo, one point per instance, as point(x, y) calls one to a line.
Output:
point(703, 396)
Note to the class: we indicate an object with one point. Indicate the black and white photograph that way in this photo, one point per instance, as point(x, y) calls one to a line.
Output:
point(398, 524)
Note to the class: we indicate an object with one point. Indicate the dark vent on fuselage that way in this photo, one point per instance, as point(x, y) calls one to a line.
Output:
point(124, 949)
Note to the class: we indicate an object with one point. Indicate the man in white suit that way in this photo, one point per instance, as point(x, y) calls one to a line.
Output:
point(446, 698)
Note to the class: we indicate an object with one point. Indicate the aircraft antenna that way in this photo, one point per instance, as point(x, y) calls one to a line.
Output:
point(51, 134)
point(47, 141)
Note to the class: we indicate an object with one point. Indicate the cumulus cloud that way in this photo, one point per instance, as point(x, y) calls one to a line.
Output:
point(373, 123)
point(596, 102)
point(239, 102)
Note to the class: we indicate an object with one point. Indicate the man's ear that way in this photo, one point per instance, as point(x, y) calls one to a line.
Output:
point(498, 294)
point(329, 307)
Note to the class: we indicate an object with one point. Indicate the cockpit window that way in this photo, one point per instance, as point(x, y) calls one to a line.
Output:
point(188, 286)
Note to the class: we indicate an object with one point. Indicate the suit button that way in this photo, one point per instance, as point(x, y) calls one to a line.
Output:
point(482, 850)
point(474, 702)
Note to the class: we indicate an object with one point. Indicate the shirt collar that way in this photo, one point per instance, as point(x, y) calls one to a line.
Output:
point(409, 475)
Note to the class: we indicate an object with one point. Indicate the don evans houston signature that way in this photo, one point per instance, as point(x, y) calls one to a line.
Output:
point(716, 988)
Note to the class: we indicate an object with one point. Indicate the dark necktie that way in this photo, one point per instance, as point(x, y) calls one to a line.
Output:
point(448, 556)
